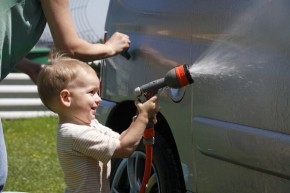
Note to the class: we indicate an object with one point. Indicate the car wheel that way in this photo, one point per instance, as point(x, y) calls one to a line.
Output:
point(127, 174)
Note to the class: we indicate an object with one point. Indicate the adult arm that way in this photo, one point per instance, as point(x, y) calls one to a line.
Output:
point(29, 67)
point(66, 39)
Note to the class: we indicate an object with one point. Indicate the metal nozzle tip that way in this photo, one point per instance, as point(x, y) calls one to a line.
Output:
point(138, 91)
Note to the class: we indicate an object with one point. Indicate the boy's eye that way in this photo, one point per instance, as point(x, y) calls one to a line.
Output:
point(92, 92)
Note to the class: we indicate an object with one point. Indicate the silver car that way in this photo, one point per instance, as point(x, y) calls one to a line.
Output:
point(228, 132)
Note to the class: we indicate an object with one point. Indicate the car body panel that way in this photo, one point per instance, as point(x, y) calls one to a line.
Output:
point(231, 128)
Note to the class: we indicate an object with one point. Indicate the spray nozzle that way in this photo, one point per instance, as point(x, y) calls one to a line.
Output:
point(175, 78)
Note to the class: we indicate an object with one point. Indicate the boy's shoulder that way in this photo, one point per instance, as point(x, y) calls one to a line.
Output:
point(71, 127)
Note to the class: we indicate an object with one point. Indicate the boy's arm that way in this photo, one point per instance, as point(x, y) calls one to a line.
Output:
point(130, 138)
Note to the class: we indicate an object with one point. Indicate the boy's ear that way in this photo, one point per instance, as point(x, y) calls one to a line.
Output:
point(65, 97)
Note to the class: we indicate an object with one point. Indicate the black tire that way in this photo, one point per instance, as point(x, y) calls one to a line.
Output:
point(164, 177)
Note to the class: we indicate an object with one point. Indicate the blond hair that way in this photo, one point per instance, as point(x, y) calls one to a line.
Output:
point(56, 76)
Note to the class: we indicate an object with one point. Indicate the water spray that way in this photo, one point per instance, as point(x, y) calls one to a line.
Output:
point(175, 78)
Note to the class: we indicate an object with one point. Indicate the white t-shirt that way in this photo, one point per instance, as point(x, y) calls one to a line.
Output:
point(84, 153)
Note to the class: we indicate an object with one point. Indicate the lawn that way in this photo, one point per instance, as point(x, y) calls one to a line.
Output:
point(32, 158)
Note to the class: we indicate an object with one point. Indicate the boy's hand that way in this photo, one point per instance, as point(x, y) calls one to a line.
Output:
point(150, 108)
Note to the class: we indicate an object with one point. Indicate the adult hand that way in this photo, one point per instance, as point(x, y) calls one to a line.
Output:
point(118, 42)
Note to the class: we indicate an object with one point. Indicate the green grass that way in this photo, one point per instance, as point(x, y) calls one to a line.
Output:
point(32, 159)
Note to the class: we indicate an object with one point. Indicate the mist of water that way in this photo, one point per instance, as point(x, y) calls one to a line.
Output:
point(263, 28)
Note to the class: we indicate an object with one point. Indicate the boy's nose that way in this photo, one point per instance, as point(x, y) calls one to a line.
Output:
point(98, 99)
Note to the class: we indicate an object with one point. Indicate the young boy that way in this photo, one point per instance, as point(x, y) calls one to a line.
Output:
point(85, 147)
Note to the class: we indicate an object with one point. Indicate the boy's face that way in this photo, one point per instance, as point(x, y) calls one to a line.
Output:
point(84, 97)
